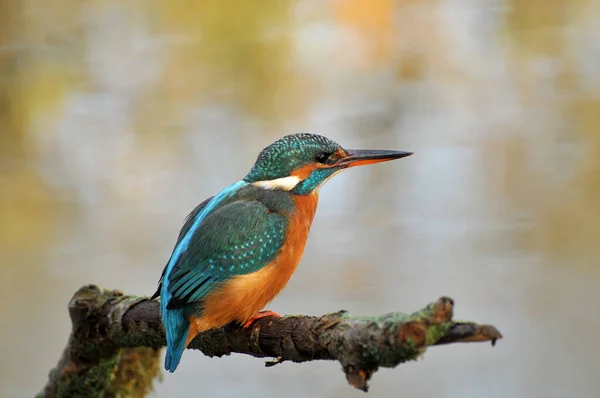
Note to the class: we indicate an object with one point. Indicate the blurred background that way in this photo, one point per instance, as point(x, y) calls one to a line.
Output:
point(117, 118)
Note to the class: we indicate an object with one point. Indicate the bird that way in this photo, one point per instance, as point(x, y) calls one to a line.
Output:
point(238, 249)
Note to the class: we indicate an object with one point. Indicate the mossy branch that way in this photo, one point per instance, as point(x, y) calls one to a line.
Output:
point(113, 348)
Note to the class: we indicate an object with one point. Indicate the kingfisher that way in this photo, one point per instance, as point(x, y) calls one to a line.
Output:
point(238, 249)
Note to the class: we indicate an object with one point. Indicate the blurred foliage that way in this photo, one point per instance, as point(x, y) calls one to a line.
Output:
point(566, 209)
point(100, 100)
point(373, 23)
point(233, 52)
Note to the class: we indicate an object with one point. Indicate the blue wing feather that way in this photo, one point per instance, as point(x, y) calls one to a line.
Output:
point(230, 234)
point(176, 321)
point(236, 239)
point(187, 224)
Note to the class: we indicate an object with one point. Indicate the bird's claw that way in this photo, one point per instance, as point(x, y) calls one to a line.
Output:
point(274, 362)
point(260, 315)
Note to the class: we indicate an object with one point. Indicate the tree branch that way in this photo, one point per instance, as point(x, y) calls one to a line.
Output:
point(115, 339)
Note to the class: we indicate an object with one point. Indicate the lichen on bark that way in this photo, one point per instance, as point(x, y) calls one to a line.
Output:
point(114, 345)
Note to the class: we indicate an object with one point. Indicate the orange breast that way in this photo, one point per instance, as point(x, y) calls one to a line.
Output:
point(245, 295)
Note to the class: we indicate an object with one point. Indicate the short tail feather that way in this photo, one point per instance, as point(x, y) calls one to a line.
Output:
point(177, 328)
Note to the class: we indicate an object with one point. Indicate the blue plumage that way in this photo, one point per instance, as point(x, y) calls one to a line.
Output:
point(236, 232)
point(238, 238)
point(175, 320)
point(241, 230)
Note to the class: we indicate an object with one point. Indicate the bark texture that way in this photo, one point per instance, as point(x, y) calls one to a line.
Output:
point(113, 349)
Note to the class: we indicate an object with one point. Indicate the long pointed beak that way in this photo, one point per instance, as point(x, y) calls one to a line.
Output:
point(362, 157)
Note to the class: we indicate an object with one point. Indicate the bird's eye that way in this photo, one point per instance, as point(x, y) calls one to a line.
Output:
point(322, 157)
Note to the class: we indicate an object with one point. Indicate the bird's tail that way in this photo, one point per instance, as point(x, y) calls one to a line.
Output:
point(177, 328)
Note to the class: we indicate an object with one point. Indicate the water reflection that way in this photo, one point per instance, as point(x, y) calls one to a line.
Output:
point(117, 118)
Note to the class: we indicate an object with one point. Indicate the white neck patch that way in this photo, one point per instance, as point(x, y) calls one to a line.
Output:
point(283, 184)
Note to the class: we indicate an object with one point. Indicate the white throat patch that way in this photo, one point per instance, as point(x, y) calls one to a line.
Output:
point(283, 184)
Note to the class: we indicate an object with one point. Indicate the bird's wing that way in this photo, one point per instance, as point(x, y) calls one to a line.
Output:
point(187, 224)
point(236, 239)
point(189, 220)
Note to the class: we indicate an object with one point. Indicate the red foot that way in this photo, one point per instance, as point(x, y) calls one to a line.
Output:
point(259, 315)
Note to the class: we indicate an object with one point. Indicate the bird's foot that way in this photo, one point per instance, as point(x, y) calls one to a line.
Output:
point(274, 362)
point(258, 315)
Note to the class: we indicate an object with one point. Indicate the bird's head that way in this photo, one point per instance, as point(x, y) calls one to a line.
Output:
point(301, 163)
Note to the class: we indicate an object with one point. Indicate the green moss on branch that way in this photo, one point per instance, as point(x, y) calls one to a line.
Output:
point(116, 338)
